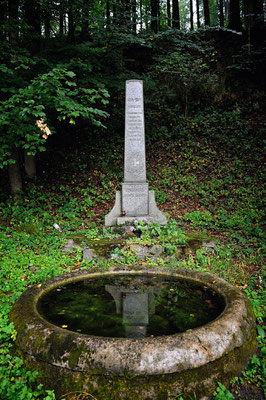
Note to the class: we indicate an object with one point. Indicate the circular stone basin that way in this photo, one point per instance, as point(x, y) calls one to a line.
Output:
point(133, 334)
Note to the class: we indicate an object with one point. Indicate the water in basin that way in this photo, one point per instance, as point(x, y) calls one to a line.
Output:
point(134, 306)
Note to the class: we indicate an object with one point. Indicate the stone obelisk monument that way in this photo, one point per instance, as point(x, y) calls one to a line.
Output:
point(135, 200)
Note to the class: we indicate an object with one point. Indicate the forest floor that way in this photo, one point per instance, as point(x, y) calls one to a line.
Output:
point(207, 187)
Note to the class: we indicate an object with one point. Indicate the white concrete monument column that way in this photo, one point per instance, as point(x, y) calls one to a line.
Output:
point(135, 189)
point(135, 200)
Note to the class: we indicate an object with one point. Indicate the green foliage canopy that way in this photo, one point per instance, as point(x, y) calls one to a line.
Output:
point(27, 117)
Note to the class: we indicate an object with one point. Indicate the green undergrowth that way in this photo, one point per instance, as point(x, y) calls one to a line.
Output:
point(207, 180)
point(29, 256)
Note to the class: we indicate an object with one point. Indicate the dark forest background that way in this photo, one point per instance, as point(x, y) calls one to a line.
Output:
point(63, 67)
point(64, 64)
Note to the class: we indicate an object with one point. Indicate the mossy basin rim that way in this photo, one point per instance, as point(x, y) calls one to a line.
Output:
point(218, 350)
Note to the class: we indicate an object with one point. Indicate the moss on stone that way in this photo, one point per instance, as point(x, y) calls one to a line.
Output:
point(74, 357)
point(64, 346)
point(197, 236)
point(198, 381)
point(102, 247)
point(28, 228)
point(38, 341)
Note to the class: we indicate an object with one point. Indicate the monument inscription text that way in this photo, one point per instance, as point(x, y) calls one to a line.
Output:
point(135, 199)
point(135, 163)
point(135, 190)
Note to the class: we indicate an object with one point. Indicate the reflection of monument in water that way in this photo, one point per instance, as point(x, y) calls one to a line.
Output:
point(135, 305)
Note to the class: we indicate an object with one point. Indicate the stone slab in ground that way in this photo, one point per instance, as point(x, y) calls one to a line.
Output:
point(69, 245)
point(105, 248)
point(143, 252)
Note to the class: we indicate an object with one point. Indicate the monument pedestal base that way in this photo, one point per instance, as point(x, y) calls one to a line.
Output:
point(135, 200)
point(114, 218)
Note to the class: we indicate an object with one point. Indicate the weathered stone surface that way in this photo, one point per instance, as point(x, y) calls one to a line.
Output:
point(69, 245)
point(135, 199)
point(157, 250)
point(208, 245)
point(136, 309)
point(189, 362)
point(105, 247)
point(135, 190)
point(154, 212)
point(99, 248)
point(142, 252)
point(155, 215)
point(135, 161)
point(111, 217)
point(89, 254)
point(127, 221)
point(195, 383)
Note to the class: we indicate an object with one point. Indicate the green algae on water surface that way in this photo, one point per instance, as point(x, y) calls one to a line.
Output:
point(113, 306)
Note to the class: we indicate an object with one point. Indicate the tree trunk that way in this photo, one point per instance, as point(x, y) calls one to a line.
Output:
point(47, 25)
point(206, 13)
point(32, 14)
point(134, 16)
point(3, 19)
point(191, 15)
point(146, 13)
point(176, 18)
point(226, 9)
point(158, 14)
point(108, 14)
point(221, 12)
point(71, 29)
point(154, 15)
point(61, 19)
point(253, 11)
point(258, 24)
point(14, 174)
point(198, 14)
point(114, 8)
point(141, 14)
point(30, 165)
point(234, 16)
point(168, 13)
point(13, 20)
point(85, 22)
point(248, 11)
point(124, 13)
